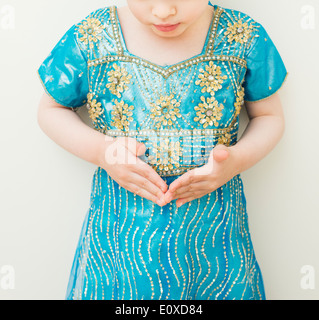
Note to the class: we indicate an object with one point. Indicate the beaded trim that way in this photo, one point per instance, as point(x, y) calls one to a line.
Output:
point(116, 31)
point(167, 132)
point(166, 72)
point(178, 171)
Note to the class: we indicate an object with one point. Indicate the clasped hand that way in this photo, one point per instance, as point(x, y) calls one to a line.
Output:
point(196, 183)
point(137, 176)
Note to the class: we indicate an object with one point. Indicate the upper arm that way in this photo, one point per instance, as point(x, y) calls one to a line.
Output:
point(270, 106)
point(47, 101)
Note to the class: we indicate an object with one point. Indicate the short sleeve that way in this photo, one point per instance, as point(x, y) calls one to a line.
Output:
point(266, 71)
point(64, 72)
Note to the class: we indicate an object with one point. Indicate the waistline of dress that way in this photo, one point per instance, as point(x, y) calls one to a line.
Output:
point(174, 152)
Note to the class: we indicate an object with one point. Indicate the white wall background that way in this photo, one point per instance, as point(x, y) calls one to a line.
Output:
point(45, 191)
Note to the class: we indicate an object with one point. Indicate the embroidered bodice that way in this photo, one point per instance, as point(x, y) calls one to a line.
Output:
point(180, 111)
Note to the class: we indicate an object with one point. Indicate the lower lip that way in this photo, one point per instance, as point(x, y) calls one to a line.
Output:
point(167, 29)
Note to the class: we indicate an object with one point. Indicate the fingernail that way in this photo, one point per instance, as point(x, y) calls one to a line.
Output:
point(170, 197)
point(160, 203)
point(163, 200)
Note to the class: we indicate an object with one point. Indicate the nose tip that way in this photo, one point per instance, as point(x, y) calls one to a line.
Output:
point(164, 11)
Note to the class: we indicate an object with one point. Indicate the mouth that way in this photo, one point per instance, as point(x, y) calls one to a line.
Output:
point(166, 27)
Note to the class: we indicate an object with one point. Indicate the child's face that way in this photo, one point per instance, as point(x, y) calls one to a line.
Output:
point(168, 18)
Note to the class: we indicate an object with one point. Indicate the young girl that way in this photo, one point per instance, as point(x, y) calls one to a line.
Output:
point(164, 82)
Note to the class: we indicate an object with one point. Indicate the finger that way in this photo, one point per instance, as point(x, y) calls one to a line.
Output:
point(192, 188)
point(220, 153)
point(192, 176)
point(150, 174)
point(143, 182)
point(179, 192)
point(181, 181)
point(125, 156)
point(149, 196)
point(182, 201)
point(132, 145)
point(138, 188)
point(185, 191)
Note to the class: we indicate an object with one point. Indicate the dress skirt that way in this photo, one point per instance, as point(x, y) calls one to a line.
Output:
point(133, 249)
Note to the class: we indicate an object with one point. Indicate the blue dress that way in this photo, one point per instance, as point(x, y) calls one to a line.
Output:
point(129, 247)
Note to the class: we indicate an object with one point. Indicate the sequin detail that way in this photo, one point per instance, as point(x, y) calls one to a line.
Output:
point(90, 31)
point(211, 79)
point(239, 31)
point(118, 80)
point(165, 111)
point(94, 108)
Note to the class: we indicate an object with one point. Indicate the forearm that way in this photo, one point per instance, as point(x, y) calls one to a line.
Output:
point(260, 137)
point(66, 128)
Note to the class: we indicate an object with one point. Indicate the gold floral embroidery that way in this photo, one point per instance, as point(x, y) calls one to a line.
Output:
point(168, 154)
point(118, 80)
point(239, 100)
point(208, 112)
point(224, 139)
point(239, 31)
point(90, 30)
point(94, 107)
point(165, 111)
point(122, 115)
point(211, 79)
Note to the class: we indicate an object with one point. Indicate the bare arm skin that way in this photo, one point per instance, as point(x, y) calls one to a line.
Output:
point(67, 129)
point(264, 131)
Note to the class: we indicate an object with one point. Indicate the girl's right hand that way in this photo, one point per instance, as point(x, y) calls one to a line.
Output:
point(122, 163)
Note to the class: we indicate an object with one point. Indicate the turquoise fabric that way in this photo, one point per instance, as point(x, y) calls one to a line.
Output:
point(129, 247)
point(64, 72)
point(265, 70)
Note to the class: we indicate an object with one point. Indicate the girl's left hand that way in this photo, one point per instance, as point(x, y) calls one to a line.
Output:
point(221, 167)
